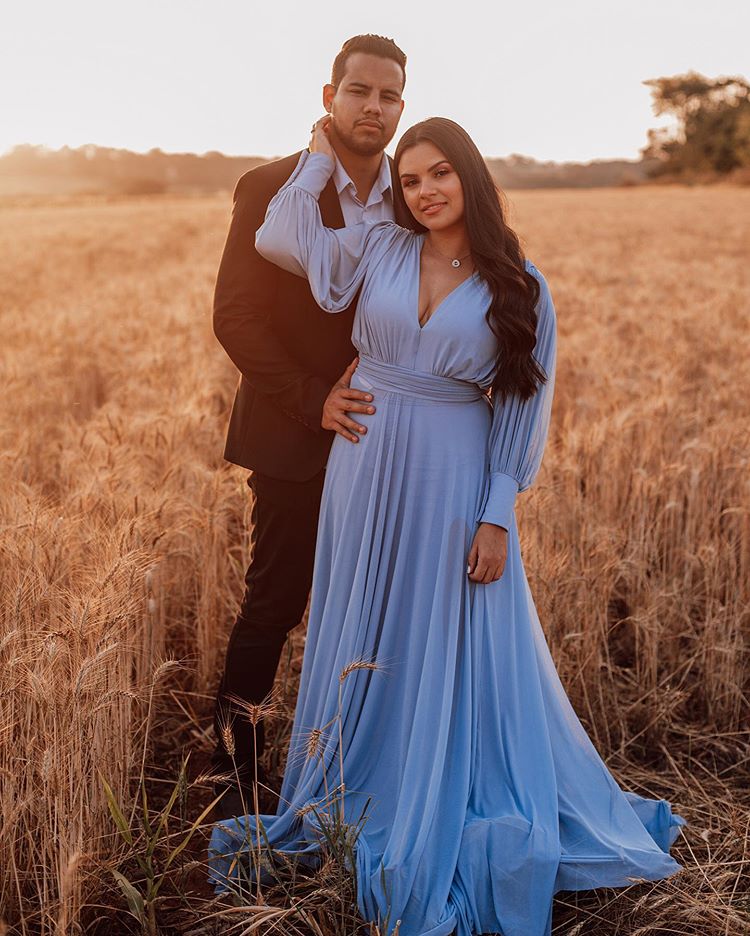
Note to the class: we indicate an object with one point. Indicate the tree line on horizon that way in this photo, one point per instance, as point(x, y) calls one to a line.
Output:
point(90, 169)
point(711, 140)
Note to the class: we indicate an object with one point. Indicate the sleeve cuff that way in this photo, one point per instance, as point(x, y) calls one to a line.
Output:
point(313, 172)
point(501, 500)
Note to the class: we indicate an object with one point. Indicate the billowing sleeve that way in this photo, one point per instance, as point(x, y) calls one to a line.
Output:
point(294, 237)
point(519, 428)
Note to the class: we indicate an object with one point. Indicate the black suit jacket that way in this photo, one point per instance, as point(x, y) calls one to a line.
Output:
point(288, 350)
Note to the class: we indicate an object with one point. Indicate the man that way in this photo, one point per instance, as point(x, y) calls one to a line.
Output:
point(291, 397)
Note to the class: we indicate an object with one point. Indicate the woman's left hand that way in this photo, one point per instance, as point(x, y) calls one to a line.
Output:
point(488, 554)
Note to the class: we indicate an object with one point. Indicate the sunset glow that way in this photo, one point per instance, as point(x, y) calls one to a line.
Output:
point(552, 81)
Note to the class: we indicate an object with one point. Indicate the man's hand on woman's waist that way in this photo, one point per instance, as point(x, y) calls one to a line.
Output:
point(343, 399)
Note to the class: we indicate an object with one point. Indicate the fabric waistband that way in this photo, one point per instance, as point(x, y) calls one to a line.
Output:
point(397, 379)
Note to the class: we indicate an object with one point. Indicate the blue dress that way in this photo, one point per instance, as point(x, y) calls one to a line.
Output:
point(482, 792)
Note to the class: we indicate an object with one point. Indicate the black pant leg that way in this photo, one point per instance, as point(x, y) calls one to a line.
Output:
point(277, 585)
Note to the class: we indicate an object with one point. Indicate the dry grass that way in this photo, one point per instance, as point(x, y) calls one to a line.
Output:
point(123, 535)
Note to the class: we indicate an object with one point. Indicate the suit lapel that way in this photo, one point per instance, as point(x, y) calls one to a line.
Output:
point(330, 207)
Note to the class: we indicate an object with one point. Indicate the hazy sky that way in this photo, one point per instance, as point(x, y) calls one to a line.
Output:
point(552, 79)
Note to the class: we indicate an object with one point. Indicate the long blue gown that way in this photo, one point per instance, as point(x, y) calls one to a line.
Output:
point(486, 795)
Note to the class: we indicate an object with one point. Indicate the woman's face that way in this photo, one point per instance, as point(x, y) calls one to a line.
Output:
point(431, 187)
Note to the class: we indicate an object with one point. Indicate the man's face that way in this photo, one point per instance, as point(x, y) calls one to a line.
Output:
point(366, 106)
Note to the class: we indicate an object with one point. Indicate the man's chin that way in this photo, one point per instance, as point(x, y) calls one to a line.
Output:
point(371, 149)
point(365, 145)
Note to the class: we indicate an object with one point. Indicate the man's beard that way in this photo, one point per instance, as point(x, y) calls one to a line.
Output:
point(359, 146)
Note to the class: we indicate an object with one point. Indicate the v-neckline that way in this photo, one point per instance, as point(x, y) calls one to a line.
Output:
point(445, 298)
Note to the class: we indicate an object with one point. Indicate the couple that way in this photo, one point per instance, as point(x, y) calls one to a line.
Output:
point(482, 791)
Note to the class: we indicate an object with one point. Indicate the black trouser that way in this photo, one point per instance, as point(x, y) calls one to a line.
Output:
point(277, 585)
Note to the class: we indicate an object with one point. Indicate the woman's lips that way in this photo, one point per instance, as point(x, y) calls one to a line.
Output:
point(433, 209)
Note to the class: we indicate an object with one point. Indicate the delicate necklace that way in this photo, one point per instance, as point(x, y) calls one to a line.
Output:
point(455, 261)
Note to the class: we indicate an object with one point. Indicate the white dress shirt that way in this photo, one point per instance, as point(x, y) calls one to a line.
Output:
point(379, 205)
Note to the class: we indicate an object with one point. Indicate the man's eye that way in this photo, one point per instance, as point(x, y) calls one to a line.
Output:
point(357, 91)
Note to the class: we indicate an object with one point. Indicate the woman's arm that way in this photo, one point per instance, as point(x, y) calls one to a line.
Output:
point(293, 236)
point(517, 439)
point(519, 428)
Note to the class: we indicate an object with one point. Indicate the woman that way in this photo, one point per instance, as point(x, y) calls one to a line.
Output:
point(484, 794)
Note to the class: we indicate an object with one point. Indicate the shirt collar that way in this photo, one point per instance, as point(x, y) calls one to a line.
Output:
point(341, 178)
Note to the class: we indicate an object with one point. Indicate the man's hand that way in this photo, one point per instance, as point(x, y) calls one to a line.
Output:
point(488, 554)
point(340, 401)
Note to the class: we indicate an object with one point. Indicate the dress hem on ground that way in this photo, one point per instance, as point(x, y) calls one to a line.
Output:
point(231, 839)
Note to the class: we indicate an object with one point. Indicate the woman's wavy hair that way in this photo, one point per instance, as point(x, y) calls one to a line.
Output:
point(496, 253)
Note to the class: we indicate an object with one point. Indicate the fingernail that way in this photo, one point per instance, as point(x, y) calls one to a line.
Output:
point(363, 428)
point(368, 397)
point(370, 409)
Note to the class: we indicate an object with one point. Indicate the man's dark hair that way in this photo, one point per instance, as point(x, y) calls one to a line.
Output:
point(370, 45)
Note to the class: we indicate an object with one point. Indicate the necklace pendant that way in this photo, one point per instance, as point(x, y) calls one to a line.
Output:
point(455, 263)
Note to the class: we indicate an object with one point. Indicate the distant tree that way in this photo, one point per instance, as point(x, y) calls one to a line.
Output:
point(713, 124)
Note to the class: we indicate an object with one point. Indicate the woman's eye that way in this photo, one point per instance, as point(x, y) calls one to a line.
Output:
point(442, 172)
point(410, 182)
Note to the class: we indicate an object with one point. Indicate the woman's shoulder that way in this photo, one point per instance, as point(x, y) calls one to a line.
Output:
point(532, 268)
point(387, 234)
point(393, 229)
point(545, 304)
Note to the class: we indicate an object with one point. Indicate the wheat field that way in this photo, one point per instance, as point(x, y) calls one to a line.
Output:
point(124, 538)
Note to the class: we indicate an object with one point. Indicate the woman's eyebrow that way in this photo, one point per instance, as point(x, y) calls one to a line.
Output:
point(405, 175)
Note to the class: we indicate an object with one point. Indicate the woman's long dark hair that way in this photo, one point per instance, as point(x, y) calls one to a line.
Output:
point(496, 253)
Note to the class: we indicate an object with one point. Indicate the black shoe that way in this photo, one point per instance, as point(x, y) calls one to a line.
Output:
point(234, 802)
point(239, 800)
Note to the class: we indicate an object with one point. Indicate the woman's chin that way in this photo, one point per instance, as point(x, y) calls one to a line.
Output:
point(437, 223)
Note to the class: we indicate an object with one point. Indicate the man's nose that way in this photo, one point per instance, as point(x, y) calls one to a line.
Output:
point(372, 104)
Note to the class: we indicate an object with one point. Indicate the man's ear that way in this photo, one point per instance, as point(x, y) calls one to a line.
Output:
point(329, 93)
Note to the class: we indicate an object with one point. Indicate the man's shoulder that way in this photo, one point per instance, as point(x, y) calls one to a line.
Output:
point(268, 177)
